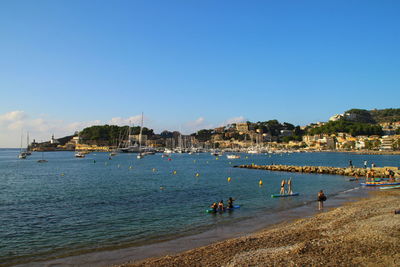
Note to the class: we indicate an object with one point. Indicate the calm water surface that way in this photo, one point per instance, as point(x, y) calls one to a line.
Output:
point(71, 206)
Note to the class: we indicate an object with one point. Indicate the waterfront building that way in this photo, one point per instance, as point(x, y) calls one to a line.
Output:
point(386, 143)
point(53, 140)
point(242, 127)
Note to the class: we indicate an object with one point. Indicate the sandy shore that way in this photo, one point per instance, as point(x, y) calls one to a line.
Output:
point(362, 233)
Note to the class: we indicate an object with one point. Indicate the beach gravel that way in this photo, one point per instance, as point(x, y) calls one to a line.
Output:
point(361, 233)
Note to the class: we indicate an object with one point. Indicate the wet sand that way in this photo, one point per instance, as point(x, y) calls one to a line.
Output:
point(361, 233)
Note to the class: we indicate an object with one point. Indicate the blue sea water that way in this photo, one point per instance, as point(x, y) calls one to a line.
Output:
point(71, 206)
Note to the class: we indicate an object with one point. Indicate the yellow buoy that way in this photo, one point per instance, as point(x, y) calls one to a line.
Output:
point(216, 158)
point(197, 174)
point(260, 183)
point(229, 179)
point(62, 174)
point(174, 172)
point(247, 157)
point(130, 167)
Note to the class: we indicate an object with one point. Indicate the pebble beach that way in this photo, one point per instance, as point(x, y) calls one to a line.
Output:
point(361, 233)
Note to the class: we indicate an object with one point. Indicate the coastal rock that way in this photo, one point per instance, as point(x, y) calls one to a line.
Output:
point(360, 172)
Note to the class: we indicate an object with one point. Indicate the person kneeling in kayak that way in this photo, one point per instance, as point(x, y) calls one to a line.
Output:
point(214, 206)
point(221, 205)
point(230, 203)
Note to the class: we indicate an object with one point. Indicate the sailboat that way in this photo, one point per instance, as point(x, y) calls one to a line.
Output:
point(140, 155)
point(22, 154)
point(28, 152)
point(42, 160)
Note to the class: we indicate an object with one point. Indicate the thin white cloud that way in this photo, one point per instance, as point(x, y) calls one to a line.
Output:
point(197, 124)
point(234, 120)
point(135, 120)
point(41, 127)
point(15, 123)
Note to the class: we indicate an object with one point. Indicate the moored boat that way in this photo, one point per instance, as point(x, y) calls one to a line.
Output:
point(233, 156)
point(380, 183)
point(79, 155)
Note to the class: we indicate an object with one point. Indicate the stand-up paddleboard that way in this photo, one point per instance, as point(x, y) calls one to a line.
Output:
point(285, 195)
point(225, 209)
point(390, 187)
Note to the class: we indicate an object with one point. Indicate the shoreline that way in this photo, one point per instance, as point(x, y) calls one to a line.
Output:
point(223, 233)
point(364, 232)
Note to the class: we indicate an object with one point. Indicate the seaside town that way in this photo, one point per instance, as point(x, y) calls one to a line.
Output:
point(376, 131)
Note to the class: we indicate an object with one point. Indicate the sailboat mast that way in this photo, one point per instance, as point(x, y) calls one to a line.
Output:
point(140, 133)
point(27, 141)
point(20, 148)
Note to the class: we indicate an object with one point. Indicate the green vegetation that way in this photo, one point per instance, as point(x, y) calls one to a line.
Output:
point(273, 127)
point(353, 128)
point(110, 134)
point(203, 135)
point(372, 144)
point(361, 115)
point(386, 115)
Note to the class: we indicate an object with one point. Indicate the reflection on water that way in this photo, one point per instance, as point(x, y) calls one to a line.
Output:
point(71, 205)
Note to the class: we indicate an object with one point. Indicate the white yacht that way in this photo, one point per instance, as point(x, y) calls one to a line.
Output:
point(232, 156)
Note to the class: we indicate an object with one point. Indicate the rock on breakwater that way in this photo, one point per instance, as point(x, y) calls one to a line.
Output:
point(360, 172)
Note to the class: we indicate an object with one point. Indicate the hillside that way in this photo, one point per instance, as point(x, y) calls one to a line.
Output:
point(386, 115)
point(373, 116)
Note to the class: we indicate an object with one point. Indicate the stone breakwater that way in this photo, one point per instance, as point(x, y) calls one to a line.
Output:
point(360, 172)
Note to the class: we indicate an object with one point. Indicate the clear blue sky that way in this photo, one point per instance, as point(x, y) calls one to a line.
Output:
point(177, 61)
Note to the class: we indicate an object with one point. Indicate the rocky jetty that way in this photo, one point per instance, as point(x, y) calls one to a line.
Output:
point(360, 172)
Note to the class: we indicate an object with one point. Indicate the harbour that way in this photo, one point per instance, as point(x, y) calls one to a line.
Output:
point(72, 206)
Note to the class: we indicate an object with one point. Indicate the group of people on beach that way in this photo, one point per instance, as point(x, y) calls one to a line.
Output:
point(373, 165)
point(220, 206)
point(289, 190)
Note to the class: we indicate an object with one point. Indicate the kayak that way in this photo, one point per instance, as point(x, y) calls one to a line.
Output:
point(226, 209)
point(390, 187)
point(285, 195)
point(378, 184)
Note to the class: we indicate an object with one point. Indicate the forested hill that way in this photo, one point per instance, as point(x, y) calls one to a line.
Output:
point(386, 115)
point(110, 134)
point(374, 116)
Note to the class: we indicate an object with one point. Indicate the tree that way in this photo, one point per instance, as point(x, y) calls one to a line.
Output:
point(204, 135)
point(361, 115)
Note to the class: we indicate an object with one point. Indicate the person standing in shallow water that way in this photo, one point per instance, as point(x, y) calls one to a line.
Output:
point(283, 182)
point(289, 183)
point(321, 199)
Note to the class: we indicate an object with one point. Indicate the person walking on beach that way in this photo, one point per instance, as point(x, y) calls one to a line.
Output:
point(283, 182)
point(350, 163)
point(289, 183)
point(321, 199)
